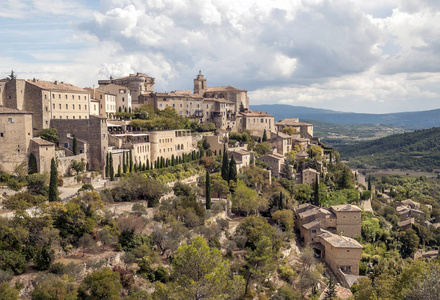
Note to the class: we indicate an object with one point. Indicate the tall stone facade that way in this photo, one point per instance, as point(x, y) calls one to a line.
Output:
point(93, 131)
point(15, 137)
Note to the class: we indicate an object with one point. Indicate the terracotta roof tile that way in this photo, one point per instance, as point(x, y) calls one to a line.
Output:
point(57, 85)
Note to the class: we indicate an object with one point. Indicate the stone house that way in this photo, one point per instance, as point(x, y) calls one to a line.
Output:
point(47, 100)
point(406, 224)
point(43, 151)
point(281, 142)
point(274, 160)
point(256, 122)
point(309, 176)
point(243, 158)
point(123, 97)
point(137, 84)
point(103, 103)
point(304, 129)
point(15, 138)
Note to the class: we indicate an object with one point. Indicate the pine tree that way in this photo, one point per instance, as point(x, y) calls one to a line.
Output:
point(131, 162)
point(119, 170)
point(316, 194)
point(208, 190)
point(33, 168)
point(264, 136)
point(232, 170)
point(53, 183)
point(111, 170)
point(225, 165)
point(75, 146)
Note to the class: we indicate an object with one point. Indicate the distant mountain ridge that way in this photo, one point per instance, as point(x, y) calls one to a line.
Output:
point(423, 119)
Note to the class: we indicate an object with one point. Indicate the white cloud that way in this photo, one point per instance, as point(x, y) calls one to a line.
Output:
point(347, 54)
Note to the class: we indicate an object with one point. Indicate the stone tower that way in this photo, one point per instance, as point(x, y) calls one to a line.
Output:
point(200, 84)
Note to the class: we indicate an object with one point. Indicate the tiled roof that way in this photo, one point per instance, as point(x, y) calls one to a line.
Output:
point(255, 114)
point(339, 241)
point(57, 85)
point(311, 224)
point(178, 94)
point(7, 110)
point(405, 222)
point(224, 89)
point(310, 170)
point(221, 100)
point(42, 142)
point(346, 207)
point(292, 122)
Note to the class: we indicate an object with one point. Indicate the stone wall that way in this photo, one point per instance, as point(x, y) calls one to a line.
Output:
point(93, 131)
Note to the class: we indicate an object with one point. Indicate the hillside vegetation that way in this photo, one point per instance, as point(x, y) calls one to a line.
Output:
point(413, 150)
point(337, 135)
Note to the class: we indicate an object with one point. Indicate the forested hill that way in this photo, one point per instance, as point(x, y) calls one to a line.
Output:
point(412, 150)
point(423, 119)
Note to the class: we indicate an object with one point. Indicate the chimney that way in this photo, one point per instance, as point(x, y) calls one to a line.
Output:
point(56, 82)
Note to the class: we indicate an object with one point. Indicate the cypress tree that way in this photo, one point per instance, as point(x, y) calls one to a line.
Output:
point(33, 168)
point(316, 198)
point(119, 170)
point(225, 166)
point(147, 165)
point(144, 168)
point(111, 171)
point(151, 165)
point(173, 161)
point(215, 152)
point(220, 152)
point(264, 136)
point(208, 190)
point(232, 170)
point(124, 165)
point(180, 160)
point(330, 157)
point(53, 184)
point(369, 183)
point(106, 166)
point(131, 162)
point(280, 205)
point(135, 167)
point(75, 146)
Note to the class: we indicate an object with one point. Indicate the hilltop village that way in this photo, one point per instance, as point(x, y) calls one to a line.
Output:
point(181, 195)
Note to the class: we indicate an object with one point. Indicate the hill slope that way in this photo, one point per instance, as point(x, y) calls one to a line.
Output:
point(424, 119)
point(412, 150)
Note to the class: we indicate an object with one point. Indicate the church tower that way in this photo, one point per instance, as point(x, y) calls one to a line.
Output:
point(200, 84)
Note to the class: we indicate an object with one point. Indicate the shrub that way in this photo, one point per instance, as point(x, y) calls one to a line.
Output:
point(58, 268)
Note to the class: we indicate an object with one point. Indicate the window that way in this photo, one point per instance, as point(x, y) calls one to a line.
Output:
point(79, 106)
point(73, 97)
point(73, 117)
point(59, 96)
point(67, 117)
point(1, 134)
point(80, 117)
point(53, 96)
point(66, 96)
point(73, 106)
point(45, 97)
point(59, 105)
point(181, 105)
point(123, 99)
point(47, 108)
point(85, 97)
point(53, 106)
point(67, 106)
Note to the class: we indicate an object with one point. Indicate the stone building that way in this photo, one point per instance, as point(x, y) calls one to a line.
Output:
point(136, 84)
point(242, 157)
point(274, 160)
point(148, 146)
point(93, 131)
point(122, 94)
point(237, 96)
point(281, 142)
point(309, 176)
point(305, 129)
point(102, 102)
point(341, 253)
point(316, 226)
point(185, 103)
point(256, 122)
point(43, 151)
point(47, 100)
point(15, 137)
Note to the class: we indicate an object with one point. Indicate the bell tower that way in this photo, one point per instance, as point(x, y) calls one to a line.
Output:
point(199, 84)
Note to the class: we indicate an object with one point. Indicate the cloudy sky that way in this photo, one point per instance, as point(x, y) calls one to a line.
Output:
point(347, 55)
